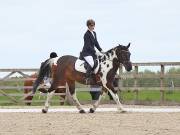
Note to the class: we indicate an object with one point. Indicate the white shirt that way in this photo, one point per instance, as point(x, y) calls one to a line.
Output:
point(92, 33)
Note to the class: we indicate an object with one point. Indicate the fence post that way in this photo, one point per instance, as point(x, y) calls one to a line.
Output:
point(161, 83)
point(135, 83)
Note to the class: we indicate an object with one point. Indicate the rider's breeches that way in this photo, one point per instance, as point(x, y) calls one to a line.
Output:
point(90, 60)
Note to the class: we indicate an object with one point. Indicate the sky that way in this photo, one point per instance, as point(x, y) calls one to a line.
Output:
point(31, 29)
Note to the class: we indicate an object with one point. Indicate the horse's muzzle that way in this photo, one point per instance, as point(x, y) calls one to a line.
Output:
point(128, 65)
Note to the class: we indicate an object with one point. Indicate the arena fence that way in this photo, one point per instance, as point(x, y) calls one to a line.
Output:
point(123, 77)
point(161, 76)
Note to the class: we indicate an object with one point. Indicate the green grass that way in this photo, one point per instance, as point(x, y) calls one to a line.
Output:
point(174, 96)
point(127, 95)
point(151, 95)
point(83, 95)
point(144, 95)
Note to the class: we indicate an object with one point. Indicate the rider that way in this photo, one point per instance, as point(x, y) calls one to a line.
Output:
point(88, 52)
point(47, 79)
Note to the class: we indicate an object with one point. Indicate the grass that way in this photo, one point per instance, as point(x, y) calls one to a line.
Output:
point(174, 96)
point(144, 95)
point(83, 95)
point(151, 95)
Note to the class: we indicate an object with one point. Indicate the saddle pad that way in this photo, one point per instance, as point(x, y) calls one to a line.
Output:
point(79, 66)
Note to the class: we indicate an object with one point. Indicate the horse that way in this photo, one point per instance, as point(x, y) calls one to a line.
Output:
point(42, 79)
point(104, 74)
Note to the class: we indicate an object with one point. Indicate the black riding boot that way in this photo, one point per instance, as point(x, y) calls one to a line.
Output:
point(88, 74)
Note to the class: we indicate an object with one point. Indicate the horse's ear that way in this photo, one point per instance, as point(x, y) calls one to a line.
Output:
point(128, 45)
point(120, 45)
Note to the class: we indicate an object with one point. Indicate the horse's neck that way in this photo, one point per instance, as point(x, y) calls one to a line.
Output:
point(110, 60)
point(108, 56)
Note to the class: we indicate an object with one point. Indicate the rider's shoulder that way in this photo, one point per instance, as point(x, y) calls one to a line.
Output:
point(87, 33)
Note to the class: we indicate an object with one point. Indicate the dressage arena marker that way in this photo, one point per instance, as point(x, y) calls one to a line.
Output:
point(74, 110)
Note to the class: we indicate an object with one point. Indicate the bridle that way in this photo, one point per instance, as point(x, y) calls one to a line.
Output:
point(104, 54)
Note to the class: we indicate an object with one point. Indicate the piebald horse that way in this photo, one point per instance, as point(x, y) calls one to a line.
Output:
point(108, 65)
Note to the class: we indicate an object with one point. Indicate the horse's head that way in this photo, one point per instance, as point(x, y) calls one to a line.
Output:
point(123, 56)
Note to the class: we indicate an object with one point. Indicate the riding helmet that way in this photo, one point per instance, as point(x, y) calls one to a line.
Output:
point(53, 55)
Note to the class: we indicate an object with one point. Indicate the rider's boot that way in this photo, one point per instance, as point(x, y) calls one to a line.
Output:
point(88, 74)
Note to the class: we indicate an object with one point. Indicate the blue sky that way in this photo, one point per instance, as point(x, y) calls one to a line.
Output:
point(30, 30)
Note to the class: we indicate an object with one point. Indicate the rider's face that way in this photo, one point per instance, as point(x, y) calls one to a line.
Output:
point(91, 27)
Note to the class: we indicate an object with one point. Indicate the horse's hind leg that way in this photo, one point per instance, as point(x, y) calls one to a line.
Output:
point(72, 91)
point(50, 93)
point(96, 104)
point(49, 96)
point(63, 96)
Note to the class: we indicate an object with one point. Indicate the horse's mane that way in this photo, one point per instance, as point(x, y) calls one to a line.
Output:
point(106, 54)
point(121, 46)
point(109, 51)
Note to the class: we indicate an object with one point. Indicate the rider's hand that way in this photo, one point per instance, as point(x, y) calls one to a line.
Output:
point(102, 52)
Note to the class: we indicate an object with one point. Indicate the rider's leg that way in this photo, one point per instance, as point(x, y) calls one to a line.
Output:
point(90, 61)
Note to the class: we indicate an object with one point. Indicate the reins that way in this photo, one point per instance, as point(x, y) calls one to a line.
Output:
point(104, 54)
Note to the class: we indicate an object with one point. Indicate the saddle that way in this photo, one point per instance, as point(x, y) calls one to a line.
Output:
point(81, 66)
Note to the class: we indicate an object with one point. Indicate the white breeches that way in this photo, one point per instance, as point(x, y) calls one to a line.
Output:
point(90, 60)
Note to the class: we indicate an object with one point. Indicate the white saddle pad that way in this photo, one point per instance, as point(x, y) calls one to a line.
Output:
point(79, 66)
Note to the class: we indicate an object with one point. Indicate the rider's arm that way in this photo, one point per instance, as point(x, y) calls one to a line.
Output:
point(97, 44)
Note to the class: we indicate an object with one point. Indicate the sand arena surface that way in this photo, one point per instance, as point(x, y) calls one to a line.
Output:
point(99, 123)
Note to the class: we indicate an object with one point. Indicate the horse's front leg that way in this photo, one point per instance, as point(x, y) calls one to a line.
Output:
point(49, 96)
point(114, 94)
point(116, 99)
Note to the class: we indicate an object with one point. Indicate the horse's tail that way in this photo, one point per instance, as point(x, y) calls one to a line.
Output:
point(44, 71)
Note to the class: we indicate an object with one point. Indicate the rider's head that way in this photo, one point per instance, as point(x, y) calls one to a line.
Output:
point(53, 55)
point(90, 24)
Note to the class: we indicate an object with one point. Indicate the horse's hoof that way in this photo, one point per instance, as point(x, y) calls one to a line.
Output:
point(44, 111)
point(122, 111)
point(82, 111)
point(91, 110)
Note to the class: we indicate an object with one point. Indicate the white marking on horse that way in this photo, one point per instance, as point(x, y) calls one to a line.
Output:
point(104, 69)
point(53, 61)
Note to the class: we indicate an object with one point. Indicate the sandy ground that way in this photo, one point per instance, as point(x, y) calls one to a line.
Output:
point(99, 123)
